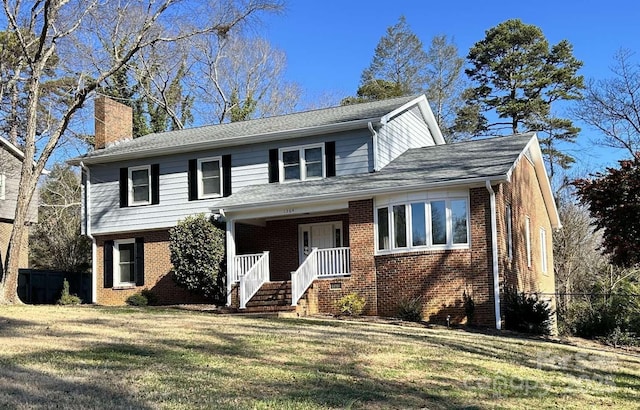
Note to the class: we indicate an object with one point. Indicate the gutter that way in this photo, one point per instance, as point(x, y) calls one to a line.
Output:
point(494, 252)
point(363, 194)
point(227, 142)
point(87, 230)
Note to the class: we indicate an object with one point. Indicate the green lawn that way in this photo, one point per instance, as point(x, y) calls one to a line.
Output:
point(91, 357)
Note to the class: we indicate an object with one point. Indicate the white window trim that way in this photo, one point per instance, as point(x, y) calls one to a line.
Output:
point(131, 197)
point(427, 199)
point(116, 263)
point(200, 181)
point(303, 168)
point(527, 233)
point(508, 216)
point(543, 250)
point(3, 183)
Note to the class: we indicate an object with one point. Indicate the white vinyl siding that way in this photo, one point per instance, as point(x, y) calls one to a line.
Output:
point(249, 167)
point(406, 130)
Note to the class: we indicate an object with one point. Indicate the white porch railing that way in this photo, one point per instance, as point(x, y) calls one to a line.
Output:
point(253, 279)
point(242, 264)
point(320, 263)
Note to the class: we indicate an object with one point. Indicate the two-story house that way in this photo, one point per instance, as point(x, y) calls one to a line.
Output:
point(365, 198)
point(11, 158)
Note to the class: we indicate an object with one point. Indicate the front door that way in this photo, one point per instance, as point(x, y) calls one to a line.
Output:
point(321, 235)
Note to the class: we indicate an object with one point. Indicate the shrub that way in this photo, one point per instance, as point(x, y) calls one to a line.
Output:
point(197, 249)
point(152, 299)
point(469, 307)
point(137, 300)
point(410, 309)
point(351, 305)
point(66, 298)
point(527, 313)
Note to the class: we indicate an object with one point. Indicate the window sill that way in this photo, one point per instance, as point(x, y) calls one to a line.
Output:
point(124, 287)
point(387, 252)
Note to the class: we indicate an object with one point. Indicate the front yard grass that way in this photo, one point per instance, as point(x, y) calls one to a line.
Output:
point(148, 358)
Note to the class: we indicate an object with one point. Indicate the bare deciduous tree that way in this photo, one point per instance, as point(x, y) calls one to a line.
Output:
point(111, 33)
point(243, 79)
point(612, 106)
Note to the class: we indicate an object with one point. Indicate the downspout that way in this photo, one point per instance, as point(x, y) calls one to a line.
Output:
point(374, 136)
point(87, 230)
point(494, 251)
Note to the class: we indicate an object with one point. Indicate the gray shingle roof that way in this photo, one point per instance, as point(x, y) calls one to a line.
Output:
point(223, 133)
point(421, 167)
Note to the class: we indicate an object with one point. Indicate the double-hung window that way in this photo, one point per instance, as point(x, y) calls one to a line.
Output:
point(301, 163)
point(3, 183)
point(427, 224)
point(124, 256)
point(140, 185)
point(210, 178)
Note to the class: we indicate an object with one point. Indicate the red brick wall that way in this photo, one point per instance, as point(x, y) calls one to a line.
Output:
point(282, 242)
point(157, 267)
point(440, 277)
point(525, 196)
point(363, 270)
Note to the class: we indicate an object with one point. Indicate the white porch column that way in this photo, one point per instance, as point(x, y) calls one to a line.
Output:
point(231, 254)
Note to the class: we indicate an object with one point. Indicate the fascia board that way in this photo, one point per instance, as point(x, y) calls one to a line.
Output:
point(229, 142)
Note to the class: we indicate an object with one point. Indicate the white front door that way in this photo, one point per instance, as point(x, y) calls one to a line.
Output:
point(321, 235)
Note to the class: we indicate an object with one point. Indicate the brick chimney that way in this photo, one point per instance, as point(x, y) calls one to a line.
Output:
point(114, 122)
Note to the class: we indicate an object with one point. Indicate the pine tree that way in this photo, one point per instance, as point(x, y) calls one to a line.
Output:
point(517, 78)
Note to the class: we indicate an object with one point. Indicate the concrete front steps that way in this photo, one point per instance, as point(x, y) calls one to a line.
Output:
point(272, 297)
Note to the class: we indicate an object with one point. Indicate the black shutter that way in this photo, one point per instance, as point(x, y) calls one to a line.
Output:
point(139, 262)
point(330, 158)
point(124, 187)
point(108, 264)
point(274, 167)
point(155, 184)
point(192, 177)
point(226, 175)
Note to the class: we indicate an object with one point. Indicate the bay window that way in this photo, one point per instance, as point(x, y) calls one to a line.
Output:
point(427, 224)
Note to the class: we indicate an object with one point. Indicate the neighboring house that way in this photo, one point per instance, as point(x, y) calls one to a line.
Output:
point(364, 198)
point(11, 158)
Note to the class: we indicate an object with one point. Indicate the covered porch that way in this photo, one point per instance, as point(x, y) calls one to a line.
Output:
point(292, 250)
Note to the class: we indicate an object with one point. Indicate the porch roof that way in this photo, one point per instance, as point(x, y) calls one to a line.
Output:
point(429, 167)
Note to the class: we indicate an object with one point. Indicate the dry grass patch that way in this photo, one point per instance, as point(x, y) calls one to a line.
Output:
point(148, 358)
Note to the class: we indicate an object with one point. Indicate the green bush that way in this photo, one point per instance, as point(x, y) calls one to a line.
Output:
point(137, 300)
point(197, 249)
point(527, 313)
point(351, 305)
point(410, 309)
point(152, 299)
point(66, 298)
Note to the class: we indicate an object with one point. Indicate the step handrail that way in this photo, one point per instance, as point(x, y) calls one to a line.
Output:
point(253, 280)
point(304, 276)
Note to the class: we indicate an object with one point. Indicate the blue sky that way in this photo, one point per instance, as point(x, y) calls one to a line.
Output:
point(328, 43)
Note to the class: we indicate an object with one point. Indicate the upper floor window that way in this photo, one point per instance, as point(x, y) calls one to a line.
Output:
point(2, 186)
point(424, 224)
point(140, 185)
point(210, 178)
point(543, 250)
point(302, 163)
